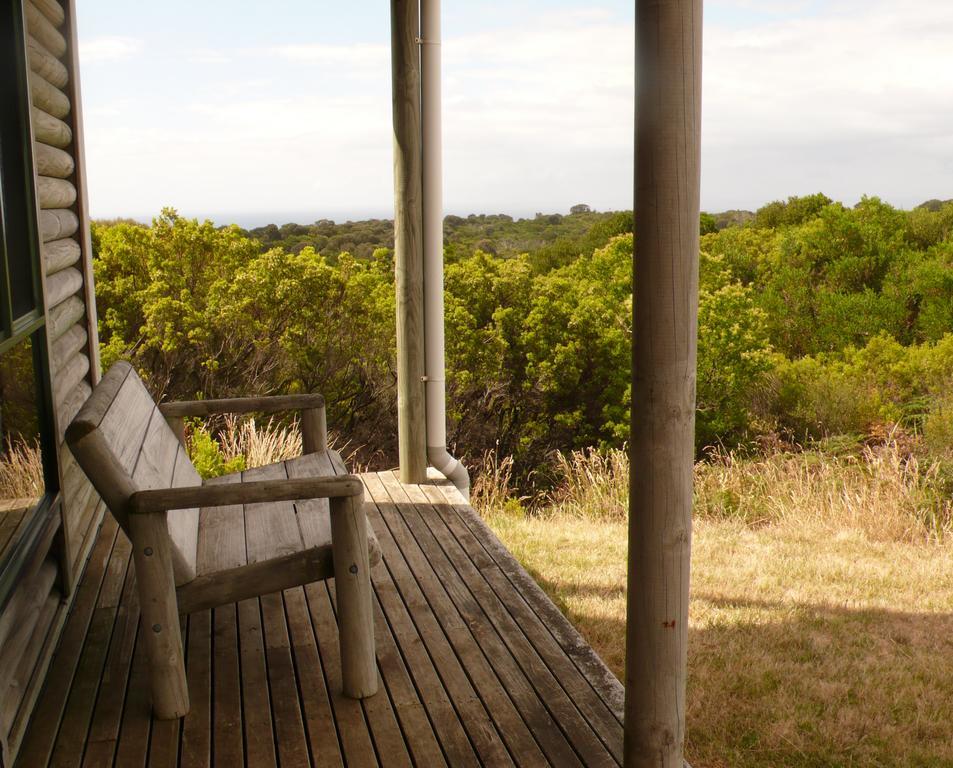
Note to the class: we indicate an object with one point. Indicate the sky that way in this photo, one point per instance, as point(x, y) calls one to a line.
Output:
point(257, 112)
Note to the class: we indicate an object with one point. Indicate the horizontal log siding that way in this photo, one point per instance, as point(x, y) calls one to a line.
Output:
point(31, 624)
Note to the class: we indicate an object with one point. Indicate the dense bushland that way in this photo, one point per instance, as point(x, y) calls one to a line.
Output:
point(815, 321)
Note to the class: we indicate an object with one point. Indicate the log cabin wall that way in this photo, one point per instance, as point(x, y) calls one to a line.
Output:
point(31, 621)
point(67, 254)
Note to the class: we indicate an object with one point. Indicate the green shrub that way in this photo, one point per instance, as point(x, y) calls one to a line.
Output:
point(206, 454)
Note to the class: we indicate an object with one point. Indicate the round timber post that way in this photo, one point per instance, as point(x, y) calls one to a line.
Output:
point(665, 319)
point(408, 240)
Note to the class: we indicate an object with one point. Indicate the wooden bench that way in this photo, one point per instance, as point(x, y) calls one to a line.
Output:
point(199, 545)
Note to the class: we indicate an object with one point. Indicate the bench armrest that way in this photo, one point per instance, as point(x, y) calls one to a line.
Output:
point(314, 425)
point(269, 404)
point(164, 499)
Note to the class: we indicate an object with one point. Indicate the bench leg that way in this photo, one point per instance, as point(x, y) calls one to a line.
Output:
point(152, 554)
point(352, 581)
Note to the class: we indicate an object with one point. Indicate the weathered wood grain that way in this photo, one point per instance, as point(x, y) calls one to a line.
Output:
point(598, 693)
point(664, 349)
point(352, 580)
point(27, 599)
point(152, 552)
point(315, 697)
point(43, 30)
point(45, 64)
point(59, 254)
point(354, 734)
point(196, 751)
point(70, 406)
point(475, 712)
point(55, 193)
point(500, 685)
point(48, 97)
point(51, 9)
point(221, 535)
point(227, 727)
point(267, 404)
point(286, 710)
point(256, 707)
point(518, 638)
point(51, 161)
point(63, 316)
point(211, 590)
point(269, 684)
point(61, 285)
point(19, 658)
point(70, 374)
point(39, 741)
point(74, 727)
point(262, 492)
point(50, 130)
point(408, 240)
point(67, 345)
point(314, 430)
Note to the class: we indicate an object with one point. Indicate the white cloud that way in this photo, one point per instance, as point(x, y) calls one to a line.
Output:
point(108, 48)
point(538, 115)
point(851, 99)
point(210, 56)
point(361, 55)
point(847, 97)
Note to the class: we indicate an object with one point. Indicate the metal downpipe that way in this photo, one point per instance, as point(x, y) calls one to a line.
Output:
point(432, 140)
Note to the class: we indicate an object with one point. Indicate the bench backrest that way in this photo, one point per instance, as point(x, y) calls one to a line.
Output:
point(124, 444)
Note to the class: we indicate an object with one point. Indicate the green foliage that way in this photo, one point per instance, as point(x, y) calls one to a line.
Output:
point(858, 390)
point(707, 224)
point(733, 354)
point(815, 321)
point(207, 456)
point(797, 210)
point(202, 312)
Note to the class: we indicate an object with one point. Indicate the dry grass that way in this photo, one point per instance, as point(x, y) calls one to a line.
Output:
point(885, 493)
point(21, 471)
point(259, 444)
point(820, 634)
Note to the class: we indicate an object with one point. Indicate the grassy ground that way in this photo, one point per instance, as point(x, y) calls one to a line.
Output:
point(822, 604)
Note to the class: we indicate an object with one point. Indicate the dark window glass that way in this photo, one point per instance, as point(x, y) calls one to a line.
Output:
point(19, 258)
point(21, 465)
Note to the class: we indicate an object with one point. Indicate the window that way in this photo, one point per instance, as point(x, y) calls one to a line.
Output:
point(28, 476)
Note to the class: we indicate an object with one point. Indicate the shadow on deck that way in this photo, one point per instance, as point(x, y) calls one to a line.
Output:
point(478, 666)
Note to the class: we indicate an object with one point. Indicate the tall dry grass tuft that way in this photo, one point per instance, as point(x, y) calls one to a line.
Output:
point(259, 444)
point(493, 491)
point(885, 493)
point(592, 485)
point(21, 471)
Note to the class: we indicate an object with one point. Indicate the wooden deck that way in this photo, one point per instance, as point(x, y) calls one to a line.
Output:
point(478, 666)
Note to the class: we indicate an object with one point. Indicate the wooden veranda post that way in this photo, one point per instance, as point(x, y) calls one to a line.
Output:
point(408, 240)
point(665, 317)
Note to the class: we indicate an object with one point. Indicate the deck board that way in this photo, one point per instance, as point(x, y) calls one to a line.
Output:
point(477, 666)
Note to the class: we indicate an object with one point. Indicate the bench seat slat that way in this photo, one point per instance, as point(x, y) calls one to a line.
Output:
point(221, 533)
point(222, 530)
point(271, 529)
point(314, 515)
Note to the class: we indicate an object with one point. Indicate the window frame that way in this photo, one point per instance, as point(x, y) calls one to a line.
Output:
point(19, 227)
